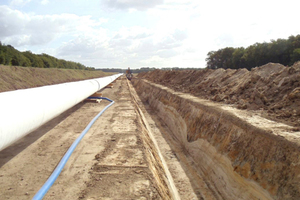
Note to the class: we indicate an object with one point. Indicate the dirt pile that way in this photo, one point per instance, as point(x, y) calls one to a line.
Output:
point(272, 89)
point(13, 78)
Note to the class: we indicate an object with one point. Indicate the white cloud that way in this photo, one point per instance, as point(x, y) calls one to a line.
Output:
point(9, 21)
point(44, 2)
point(180, 34)
point(135, 46)
point(19, 2)
point(86, 50)
point(132, 5)
point(167, 53)
point(25, 29)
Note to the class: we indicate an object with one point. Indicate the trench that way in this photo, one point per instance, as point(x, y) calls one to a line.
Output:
point(225, 153)
point(212, 151)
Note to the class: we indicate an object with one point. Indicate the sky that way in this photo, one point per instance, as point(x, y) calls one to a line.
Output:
point(143, 33)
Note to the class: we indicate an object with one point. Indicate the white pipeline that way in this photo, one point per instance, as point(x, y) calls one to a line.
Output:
point(22, 111)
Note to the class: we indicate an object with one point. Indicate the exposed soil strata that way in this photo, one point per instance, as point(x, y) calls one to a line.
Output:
point(273, 88)
point(237, 158)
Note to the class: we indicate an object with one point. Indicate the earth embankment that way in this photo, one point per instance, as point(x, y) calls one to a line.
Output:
point(272, 89)
point(13, 78)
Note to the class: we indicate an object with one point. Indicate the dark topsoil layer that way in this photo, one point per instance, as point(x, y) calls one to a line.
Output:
point(273, 89)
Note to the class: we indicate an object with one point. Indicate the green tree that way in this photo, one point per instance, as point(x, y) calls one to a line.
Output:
point(284, 51)
point(237, 58)
point(2, 58)
point(226, 57)
point(295, 56)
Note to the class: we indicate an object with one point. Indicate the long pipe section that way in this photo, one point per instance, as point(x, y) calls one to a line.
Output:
point(23, 111)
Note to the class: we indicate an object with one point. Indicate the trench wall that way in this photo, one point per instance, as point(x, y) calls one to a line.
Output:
point(236, 159)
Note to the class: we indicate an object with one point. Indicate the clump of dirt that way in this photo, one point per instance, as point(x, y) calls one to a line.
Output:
point(273, 89)
point(13, 78)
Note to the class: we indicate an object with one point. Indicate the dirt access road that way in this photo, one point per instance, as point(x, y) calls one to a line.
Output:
point(115, 160)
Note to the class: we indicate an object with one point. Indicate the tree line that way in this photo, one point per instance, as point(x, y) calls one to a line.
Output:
point(143, 69)
point(11, 56)
point(283, 51)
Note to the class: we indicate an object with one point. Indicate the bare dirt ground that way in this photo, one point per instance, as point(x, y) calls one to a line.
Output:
point(272, 89)
point(115, 160)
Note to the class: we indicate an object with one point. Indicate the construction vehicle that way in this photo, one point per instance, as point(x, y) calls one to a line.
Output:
point(129, 74)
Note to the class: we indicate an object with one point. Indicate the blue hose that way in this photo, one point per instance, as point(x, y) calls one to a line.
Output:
point(44, 189)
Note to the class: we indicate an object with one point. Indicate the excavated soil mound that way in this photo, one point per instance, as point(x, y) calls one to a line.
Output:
point(272, 89)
